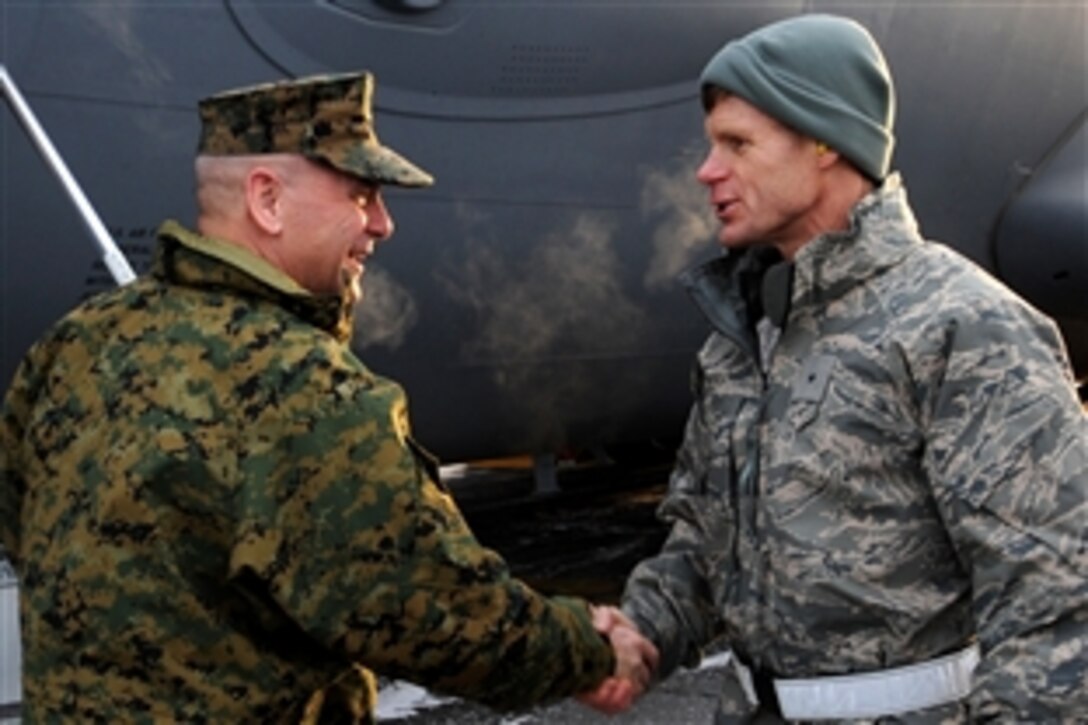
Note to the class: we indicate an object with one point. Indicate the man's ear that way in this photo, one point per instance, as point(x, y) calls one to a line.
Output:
point(825, 155)
point(264, 199)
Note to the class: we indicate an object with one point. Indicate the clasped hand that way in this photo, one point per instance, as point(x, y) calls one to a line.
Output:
point(636, 662)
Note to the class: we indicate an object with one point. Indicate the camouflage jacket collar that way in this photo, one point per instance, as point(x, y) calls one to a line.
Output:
point(191, 260)
point(882, 230)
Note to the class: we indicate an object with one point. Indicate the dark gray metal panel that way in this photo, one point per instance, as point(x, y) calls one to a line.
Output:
point(1041, 243)
point(533, 283)
point(985, 89)
point(516, 50)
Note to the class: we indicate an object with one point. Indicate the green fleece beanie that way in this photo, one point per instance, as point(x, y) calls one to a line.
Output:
point(823, 76)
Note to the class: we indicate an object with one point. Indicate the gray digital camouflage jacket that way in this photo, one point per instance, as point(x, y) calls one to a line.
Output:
point(217, 514)
point(907, 474)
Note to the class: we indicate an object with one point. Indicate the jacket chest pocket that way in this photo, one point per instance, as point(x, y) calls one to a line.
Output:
point(809, 390)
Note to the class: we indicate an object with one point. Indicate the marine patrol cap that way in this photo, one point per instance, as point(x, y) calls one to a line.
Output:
point(327, 118)
point(822, 75)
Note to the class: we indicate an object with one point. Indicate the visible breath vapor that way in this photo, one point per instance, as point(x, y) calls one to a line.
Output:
point(566, 289)
point(685, 227)
point(552, 320)
point(386, 312)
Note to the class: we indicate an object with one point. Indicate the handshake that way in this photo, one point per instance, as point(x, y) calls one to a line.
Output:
point(636, 662)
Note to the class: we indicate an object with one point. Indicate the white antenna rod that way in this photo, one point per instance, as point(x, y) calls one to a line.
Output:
point(112, 256)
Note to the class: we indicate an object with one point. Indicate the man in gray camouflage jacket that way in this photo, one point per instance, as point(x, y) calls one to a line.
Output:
point(880, 501)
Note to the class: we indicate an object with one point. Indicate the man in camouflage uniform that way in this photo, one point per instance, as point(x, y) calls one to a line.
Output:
point(880, 501)
point(216, 511)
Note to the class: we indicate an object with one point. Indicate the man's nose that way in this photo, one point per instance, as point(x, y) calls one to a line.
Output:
point(379, 222)
point(712, 169)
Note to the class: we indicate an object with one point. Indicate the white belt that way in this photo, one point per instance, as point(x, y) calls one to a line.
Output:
point(885, 692)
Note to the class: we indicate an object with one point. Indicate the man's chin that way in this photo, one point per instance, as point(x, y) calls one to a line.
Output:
point(738, 234)
point(732, 241)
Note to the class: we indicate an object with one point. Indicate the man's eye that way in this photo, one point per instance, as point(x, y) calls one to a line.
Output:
point(364, 194)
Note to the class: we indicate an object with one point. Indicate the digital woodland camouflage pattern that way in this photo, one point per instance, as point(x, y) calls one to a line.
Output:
point(328, 118)
point(215, 510)
point(909, 474)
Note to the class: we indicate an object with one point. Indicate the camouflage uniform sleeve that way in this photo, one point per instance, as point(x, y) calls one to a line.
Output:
point(349, 534)
point(13, 418)
point(11, 480)
point(668, 595)
point(1007, 452)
